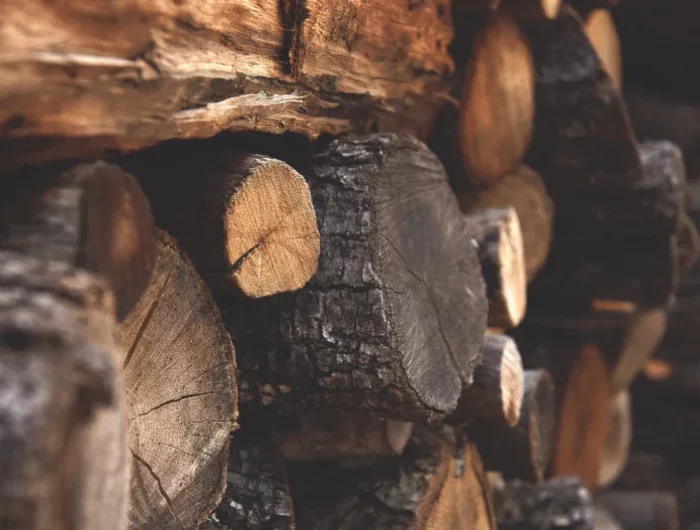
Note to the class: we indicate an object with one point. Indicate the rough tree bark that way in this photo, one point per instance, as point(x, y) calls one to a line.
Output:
point(428, 487)
point(394, 319)
point(181, 399)
point(245, 220)
point(93, 216)
point(63, 449)
point(184, 70)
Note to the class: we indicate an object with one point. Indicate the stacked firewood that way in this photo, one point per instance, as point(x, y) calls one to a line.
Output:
point(334, 265)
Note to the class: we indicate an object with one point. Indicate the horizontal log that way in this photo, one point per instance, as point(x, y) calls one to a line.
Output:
point(93, 216)
point(642, 510)
point(177, 70)
point(394, 319)
point(179, 377)
point(63, 449)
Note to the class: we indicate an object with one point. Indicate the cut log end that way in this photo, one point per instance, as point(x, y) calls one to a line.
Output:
point(498, 102)
point(273, 241)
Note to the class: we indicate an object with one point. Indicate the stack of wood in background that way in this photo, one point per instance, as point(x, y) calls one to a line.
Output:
point(338, 264)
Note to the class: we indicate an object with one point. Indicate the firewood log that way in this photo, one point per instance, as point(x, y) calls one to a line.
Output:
point(497, 102)
point(394, 319)
point(93, 216)
point(257, 493)
point(175, 70)
point(560, 503)
point(642, 510)
point(524, 191)
point(63, 450)
point(584, 418)
point(522, 452)
point(617, 442)
point(628, 201)
point(179, 376)
point(245, 220)
point(428, 487)
point(496, 395)
point(604, 520)
point(501, 254)
point(329, 435)
point(601, 31)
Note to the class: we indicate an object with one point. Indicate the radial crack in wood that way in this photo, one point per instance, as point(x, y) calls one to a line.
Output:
point(245, 220)
point(179, 375)
point(63, 448)
point(93, 216)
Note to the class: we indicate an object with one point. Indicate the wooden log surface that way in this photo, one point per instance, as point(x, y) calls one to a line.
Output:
point(618, 440)
point(93, 216)
point(642, 510)
point(179, 375)
point(63, 450)
point(191, 70)
point(245, 220)
point(394, 319)
point(602, 33)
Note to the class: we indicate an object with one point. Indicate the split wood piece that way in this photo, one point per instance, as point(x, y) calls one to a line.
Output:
point(63, 449)
point(394, 319)
point(586, 7)
point(245, 220)
point(522, 452)
point(497, 102)
point(560, 503)
point(603, 519)
point(496, 395)
point(601, 31)
point(93, 216)
point(329, 435)
point(179, 376)
point(584, 418)
point(257, 493)
point(524, 191)
point(617, 443)
point(173, 70)
point(532, 8)
point(501, 254)
point(642, 510)
point(642, 336)
point(427, 488)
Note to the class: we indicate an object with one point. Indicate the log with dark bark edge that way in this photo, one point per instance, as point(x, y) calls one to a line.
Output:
point(245, 220)
point(497, 101)
point(179, 376)
point(496, 395)
point(329, 435)
point(176, 70)
point(522, 452)
point(561, 503)
point(583, 418)
point(501, 254)
point(643, 510)
point(618, 440)
point(93, 216)
point(257, 493)
point(394, 319)
point(428, 487)
point(524, 191)
point(601, 32)
point(63, 449)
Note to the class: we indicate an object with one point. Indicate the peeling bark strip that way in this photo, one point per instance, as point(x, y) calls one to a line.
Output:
point(394, 319)
point(428, 487)
point(93, 216)
point(181, 400)
point(190, 70)
point(63, 451)
point(246, 221)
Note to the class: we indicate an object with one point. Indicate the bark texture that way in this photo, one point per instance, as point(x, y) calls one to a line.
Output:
point(181, 399)
point(63, 449)
point(393, 320)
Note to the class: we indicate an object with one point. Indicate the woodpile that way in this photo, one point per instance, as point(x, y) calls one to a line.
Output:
point(335, 265)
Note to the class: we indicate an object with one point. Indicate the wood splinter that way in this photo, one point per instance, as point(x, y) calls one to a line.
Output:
point(524, 451)
point(496, 395)
point(500, 245)
point(244, 219)
point(179, 374)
